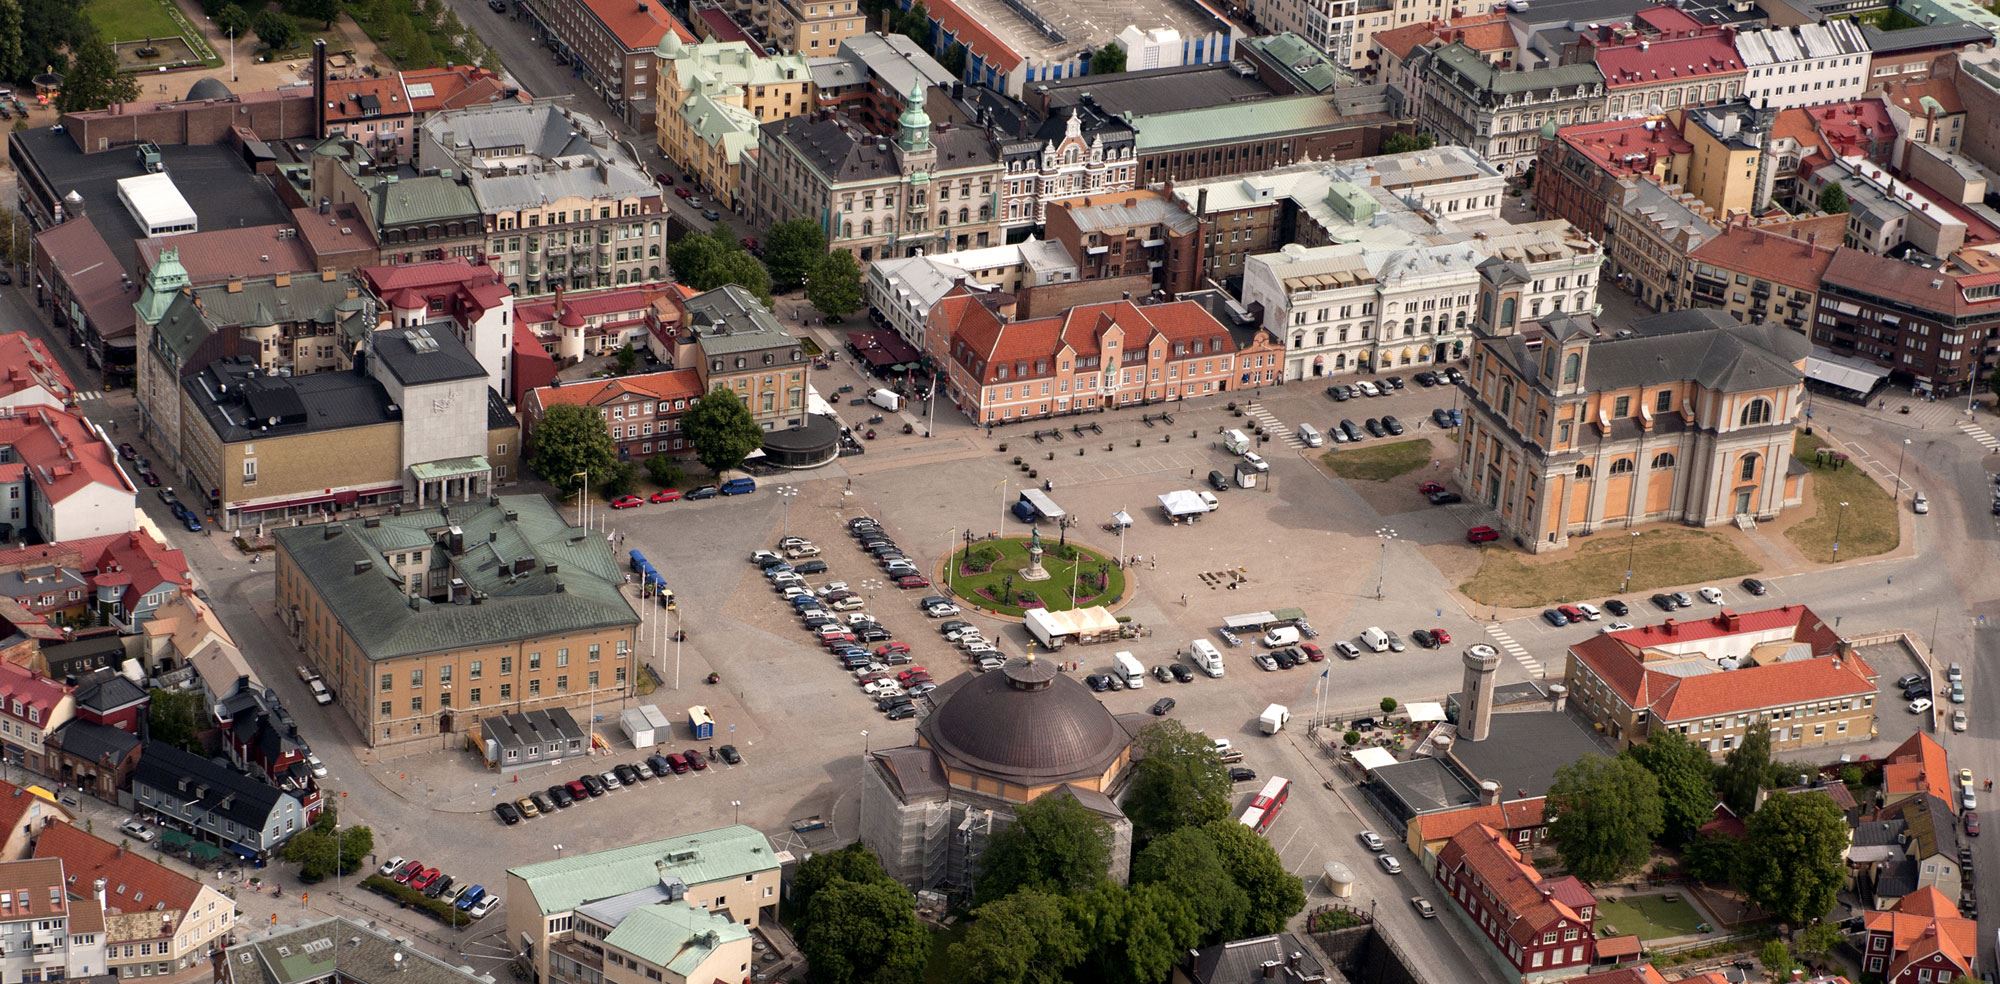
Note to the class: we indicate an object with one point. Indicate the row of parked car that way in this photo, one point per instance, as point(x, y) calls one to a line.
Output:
point(589, 786)
point(472, 900)
point(836, 615)
point(735, 486)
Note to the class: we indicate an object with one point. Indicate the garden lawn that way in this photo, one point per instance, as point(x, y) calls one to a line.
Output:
point(131, 20)
point(1871, 524)
point(1379, 462)
point(1650, 917)
point(1594, 567)
point(1011, 556)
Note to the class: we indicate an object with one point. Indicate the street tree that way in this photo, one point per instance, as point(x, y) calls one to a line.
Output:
point(1685, 774)
point(1777, 960)
point(722, 430)
point(93, 80)
point(915, 24)
point(790, 251)
point(232, 20)
point(1180, 781)
point(1136, 934)
point(13, 64)
point(1276, 895)
point(1794, 857)
point(853, 863)
point(1820, 938)
point(1108, 60)
point(1054, 845)
point(738, 267)
point(273, 30)
point(1188, 863)
point(1744, 769)
point(570, 441)
point(865, 933)
point(1029, 937)
point(1604, 814)
point(835, 286)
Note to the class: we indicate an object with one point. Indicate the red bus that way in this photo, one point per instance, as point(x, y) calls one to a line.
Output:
point(1269, 801)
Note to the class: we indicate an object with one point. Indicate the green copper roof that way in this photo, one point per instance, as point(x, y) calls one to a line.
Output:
point(723, 854)
point(162, 282)
point(676, 935)
point(1231, 122)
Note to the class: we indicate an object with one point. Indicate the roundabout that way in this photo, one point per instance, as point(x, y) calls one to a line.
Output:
point(1001, 576)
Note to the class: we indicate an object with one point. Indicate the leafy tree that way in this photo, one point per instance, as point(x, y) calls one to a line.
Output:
point(1712, 859)
point(953, 60)
point(1137, 933)
point(619, 479)
point(665, 471)
point(1744, 769)
point(49, 29)
point(274, 30)
point(1179, 781)
point(835, 287)
point(722, 430)
point(915, 23)
point(853, 863)
point(17, 238)
point(1684, 771)
point(232, 20)
point(693, 258)
point(319, 10)
point(570, 439)
point(626, 359)
point(865, 933)
point(1833, 200)
point(1054, 845)
point(1820, 938)
point(1777, 960)
point(1403, 143)
point(1187, 862)
point(1276, 895)
point(93, 81)
point(175, 719)
point(322, 852)
point(740, 268)
point(1028, 937)
point(790, 251)
point(13, 63)
point(1793, 859)
point(1108, 60)
point(1603, 816)
point(1389, 705)
point(707, 260)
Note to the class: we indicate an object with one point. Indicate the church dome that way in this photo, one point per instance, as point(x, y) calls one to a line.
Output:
point(670, 46)
point(1026, 724)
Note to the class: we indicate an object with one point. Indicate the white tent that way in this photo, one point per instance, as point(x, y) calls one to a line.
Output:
point(1373, 758)
point(1425, 711)
point(1182, 504)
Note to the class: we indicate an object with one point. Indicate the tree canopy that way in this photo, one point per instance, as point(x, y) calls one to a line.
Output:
point(1136, 933)
point(1187, 862)
point(93, 80)
point(1794, 856)
point(1685, 774)
point(1744, 768)
point(790, 251)
point(865, 933)
point(835, 287)
point(274, 30)
point(1402, 143)
point(722, 430)
point(1054, 845)
point(1276, 895)
point(1108, 60)
point(1029, 937)
point(568, 440)
point(1604, 814)
point(1833, 199)
point(1179, 781)
point(707, 260)
point(175, 719)
point(853, 863)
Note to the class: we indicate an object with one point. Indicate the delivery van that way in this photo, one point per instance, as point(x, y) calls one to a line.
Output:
point(886, 399)
point(1205, 657)
point(1130, 671)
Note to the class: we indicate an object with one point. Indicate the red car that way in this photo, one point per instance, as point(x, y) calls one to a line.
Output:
point(627, 502)
point(1571, 612)
point(906, 675)
point(1428, 487)
point(1481, 534)
point(695, 760)
point(1312, 652)
point(750, 243)
point(666, 179)
point(409, 871)
point(892, 647)
point(683, 192)
point(667, 495)
point(913, 581)
point(837, 640)
point(423, 879)
point(577, 790)
point(1972, 823)
point(1443, 638)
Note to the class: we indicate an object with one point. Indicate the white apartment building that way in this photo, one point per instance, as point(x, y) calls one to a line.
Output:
point(1344, 29)
point(44, 934)
point(1347, 308)
point(1804, 65)
point(902, 290)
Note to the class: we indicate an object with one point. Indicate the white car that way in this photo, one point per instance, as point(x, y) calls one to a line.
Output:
point(390, 866)
point(1256, 461)
point(761, 556)
point(1615, 627)
point(317, 767)
point(1390, 864)
point(945, 610)
point(790, 591)
point(1921, 504)
point(1373, 841)
point(137, 830)
point(1710, 595)
point(1589, 610)
point(856, 618)
point(849, 604)
point(830, 631)
point(882, 688)
point(321, 695)
point(1368, 389)
point(1375, 639)
point(970, 631)
point(1971, 799)
point(1958, 720)
point(487, 903)
point(981, 651)
point(830, 587)
point(1920, 705)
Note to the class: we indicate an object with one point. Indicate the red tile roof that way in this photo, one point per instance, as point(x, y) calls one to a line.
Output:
point(1666, 20)
point(1642, 974)
point(1779, 259)
point(1619, 659)
point(25, 362)
point(1917, 766)
point(343, 98)
point(669, 385)
point(1507, 817)
point(34, 692)
point(1484, 33)
point(1665, 60)
point(722, 27)
point(594, 303)
point(1923, 923)
point(1624, 147)
point(458, 285)
point(37, 889)
point(452, 87)
point(338, 232)
point(638, 26)
point(1896, 280)
point(62, 451)
point(1530, 905)
point(967, 30)
point(132, 883)
point(992, 344)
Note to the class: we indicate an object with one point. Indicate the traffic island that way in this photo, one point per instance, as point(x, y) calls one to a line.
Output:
point(992, 575)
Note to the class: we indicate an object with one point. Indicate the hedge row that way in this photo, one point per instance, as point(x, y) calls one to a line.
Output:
point(410, 898)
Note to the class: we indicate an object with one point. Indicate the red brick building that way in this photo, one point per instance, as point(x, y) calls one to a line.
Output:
point(642, 412)
point(1537, 925)
point(1578, 172)
point(1131, 233)
point(1092, 357)
point(1923, 939)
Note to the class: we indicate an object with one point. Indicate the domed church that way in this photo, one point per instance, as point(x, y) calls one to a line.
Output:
point(991, 742)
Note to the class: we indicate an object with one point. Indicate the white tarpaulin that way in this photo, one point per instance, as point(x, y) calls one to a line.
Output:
point(1183, 503)
point(1373, 758)
point(1425, 711)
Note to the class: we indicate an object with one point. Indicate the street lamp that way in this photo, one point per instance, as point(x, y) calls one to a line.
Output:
point(1838, 519)
point(1900, 455)
point(559, 850)
point(738, 804)
point(1631, 551)
point(787, 493)
point(1385, 534)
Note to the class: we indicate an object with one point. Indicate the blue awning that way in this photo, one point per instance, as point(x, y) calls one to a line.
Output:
point(243, 852)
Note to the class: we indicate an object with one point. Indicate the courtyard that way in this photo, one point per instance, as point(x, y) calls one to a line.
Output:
point(1649, 917)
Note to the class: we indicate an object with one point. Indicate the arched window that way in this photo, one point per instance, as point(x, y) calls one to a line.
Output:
point(1427, 324)
point(1582, 470)
point(1749, 468)
point(1572, 368)
point(1507, 313)
point(1664, 459)
point(1757, 412)
point(867, 227)
point(1622, 466)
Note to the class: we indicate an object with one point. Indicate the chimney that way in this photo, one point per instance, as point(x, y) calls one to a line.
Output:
point(97, 890)
point(1558, 697)
point(319, 88)
point(1271, 968)
point(1667, 627)
point(1489, 792)
point(1731, 621)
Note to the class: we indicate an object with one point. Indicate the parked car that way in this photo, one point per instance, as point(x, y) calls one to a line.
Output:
point(627, 502)
point(1920, 705)
point(507, 814)
point(1390, 864)
point(695, 759)
point(1710, 594)
point(703, 492)
point(1570, 613)
point(137, 830)
point(1162, 706)
point(1218, 481)
point(730, 755)
point(1682, 600)
point(391, 867)
point(1755, 586)
point(1373, 841)
point(1616, 607)
point(1554, 617)
point(1445, 498)
point(1392, 425)
point(1664, 602)
point(665, 495)
point(1424, 907)
point(1481, 534)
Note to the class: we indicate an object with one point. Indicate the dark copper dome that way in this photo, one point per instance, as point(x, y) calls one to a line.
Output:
point(1026, 724)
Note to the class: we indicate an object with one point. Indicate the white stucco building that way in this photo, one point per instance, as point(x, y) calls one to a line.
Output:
point(902, 290)
point(1804, 65)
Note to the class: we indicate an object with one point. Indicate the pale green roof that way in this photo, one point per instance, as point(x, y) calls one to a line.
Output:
point(716, 64)
point(723, 124)
point(1482, 74)
point(676, 935)
point(1309, 67)
point(723, 854)
point(1231, 122)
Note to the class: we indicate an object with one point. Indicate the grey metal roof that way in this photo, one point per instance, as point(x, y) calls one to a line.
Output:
point(221, 791)
point(1148, 210)
point(1703, 344)
point(1242, 961)
point(1153, 91)
point(1482, 75)
point(337, 949)
point(567, 580)
point(842, 151)
point(522, 155)
point(516, 729)
point(731, 321)
point(901, 64)
point(1950, 35)
point(429, 353)
point(1026, 723)
point(193, 316)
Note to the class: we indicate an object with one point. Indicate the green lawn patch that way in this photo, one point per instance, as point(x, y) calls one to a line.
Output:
point(992, 580)
point(1594, 568)
point(1380, 462)
point(131, 20)
point(1870, 525)
point(1650, 917)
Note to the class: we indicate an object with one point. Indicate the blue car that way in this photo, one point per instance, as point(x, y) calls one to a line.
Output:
point(471, 897)
point(1554, 617)
point(739, 486)
point(193, 523)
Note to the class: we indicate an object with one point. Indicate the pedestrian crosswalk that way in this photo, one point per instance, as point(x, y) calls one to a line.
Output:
point(1980, 434)
point(1274, 426)
point(1514, 649)
point(83, 395)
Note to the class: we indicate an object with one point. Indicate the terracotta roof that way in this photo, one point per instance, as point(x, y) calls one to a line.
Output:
point(132, 883)
point(1908, 94)
point(458, 284)
point(992, 345)
point(25, 361)
point(1779, 259)
point(1917, 766)
point(364, 98)
point(1624, 147)
point(1508, 817)
point(1614, 948)
point(32, 882)
point(1515, 884)
point(1663, 60)
point(85, 916)
point(1849, 127)
point(219, 255)
point(638, 26)
point(62, 452)
point(592, 303)
point(35, 693)
point(452, 87)
point(967, 30)
point(668, 385)
point(339, 231)
point(1923, 923)
point(1936, 291)
point(1620, 660)
point(1488, 32)
point(1642, 974)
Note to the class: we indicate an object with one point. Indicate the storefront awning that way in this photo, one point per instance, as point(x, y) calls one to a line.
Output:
point(1373, 758)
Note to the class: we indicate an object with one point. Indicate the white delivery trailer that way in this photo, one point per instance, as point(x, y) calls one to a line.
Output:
point(886, 399)
point(1234, 441)
point(1274, 717)
point(1205, 657)
point(1130, 671)
point(1045, 627)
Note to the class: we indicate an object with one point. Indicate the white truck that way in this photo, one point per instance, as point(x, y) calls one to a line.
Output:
point(1274, 717)
point(1130, 671)
point(1205, 657)
point(886, 399)
point(1234, 441)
